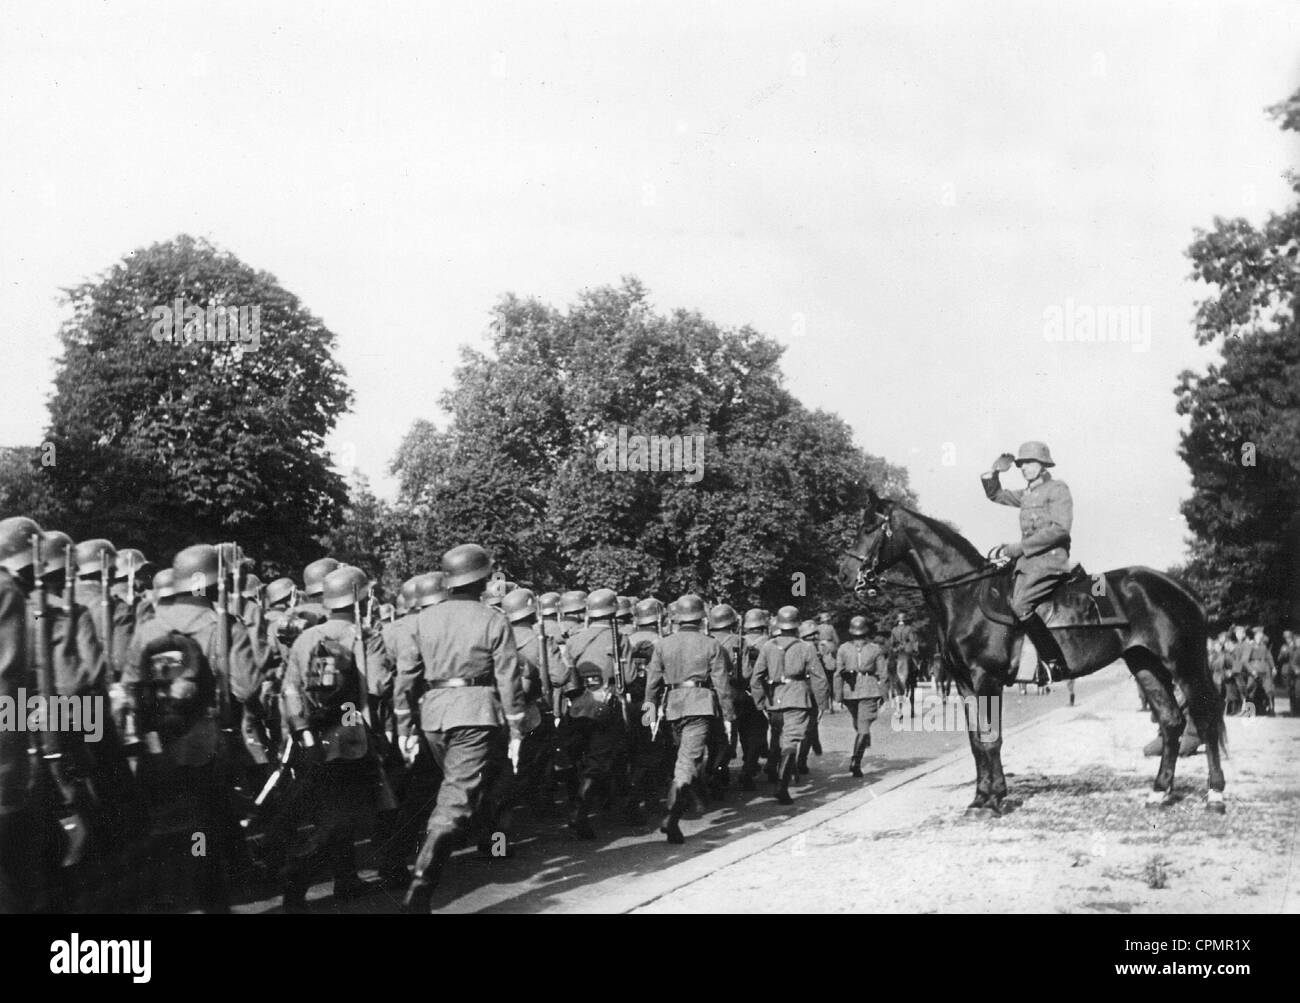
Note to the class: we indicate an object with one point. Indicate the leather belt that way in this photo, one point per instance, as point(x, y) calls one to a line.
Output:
point(456, 682)
point(692, 684)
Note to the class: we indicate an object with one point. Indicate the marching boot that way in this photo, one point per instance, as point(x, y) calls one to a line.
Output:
point(860, 744)
point(1049, 652)
point(578, 820)
point(428, 870)
point(788, 767)
point(675, 806)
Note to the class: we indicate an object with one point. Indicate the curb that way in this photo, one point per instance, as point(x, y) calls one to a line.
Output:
point(650, 888)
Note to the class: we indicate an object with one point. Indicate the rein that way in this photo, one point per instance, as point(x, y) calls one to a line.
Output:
point(965, 578)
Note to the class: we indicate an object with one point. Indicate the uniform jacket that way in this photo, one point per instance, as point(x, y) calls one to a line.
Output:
point(859, 667)
point(461, 638)
point(194, 616)
point(690, 655)
point(1288, 658)
point(1046, 514)
point(590, 672)
point(536, 683)
point(754, 641)
point(341, 739)
point(15, 768)
point(902, 640)
point(79, 665)
point(1257, 659)
point(789, 674)
point(738, 660)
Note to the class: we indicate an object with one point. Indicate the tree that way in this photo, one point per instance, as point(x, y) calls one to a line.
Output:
point(1243, 442)
point(166, 437)
point(25, 488)
point(538, 466)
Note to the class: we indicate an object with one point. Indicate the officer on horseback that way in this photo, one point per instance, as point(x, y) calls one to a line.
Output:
point(1042, 554)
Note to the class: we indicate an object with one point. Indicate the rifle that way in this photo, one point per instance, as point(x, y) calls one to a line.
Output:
point(106, 607)
point(274, 779)
point(223, 644)
point(620, 690)
point(71, 791)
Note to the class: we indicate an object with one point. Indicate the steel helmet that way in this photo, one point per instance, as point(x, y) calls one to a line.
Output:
point(194, 569)
point(314, 575)
point(808, 629)
point(573, 602)
point(497, 589)
point(343, 586)
point(164, 586)
point(252, 586)
point(690, 609)
point(647, 612)
point(624, 608)
point(601, 603)
point(465, 565)
point(430, 589)
point(549, 603)
point(721, 617)
point(16, 542)
point(55, 549)
point(279, 590)
point(519, 604)
point(127, 562)
point(407, 595)
point(858, 627)
point(787, 618)
point(1035, 451)
point(86, 556)
point(756, 619)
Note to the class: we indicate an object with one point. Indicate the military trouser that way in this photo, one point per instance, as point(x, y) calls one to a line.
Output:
point(748, 737)
point(343, 798)
point(207, 789)
point(692, 736)
point(1292, 680)
point(644, 765)
point(812, 742)
point(775, 722)
point(863, 712)
point(400, 833)
point(471, 760)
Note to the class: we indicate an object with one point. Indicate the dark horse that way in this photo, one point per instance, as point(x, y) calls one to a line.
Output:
point(1163, 642)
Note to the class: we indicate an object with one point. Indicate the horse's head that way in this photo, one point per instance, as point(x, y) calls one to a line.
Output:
point(878, 546)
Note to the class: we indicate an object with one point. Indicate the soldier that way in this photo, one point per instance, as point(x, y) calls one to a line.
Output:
point(903, 648)
point(1042, 553)
point(749, 731)
point(497, 589)
point(594, 731)
point(691, 672)
point(310, 609)
point(788, 679)
point(93, 560)
point(537, 747)
point(172, 690)
point(623, 617)
point(1259, 666)
point(860, 666)
point(573, 606)
point(471, 668)
point(328, 682)
point(647, 748)
point(754, 634)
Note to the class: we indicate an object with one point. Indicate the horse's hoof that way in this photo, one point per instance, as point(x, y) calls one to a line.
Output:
point(1214, 803)
point(1160, 799)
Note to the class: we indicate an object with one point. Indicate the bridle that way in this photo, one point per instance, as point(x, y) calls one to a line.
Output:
point(869, 581)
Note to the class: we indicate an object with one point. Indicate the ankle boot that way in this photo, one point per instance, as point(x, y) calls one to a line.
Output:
point(428, 870)
point(671, 828)
point(788, 767)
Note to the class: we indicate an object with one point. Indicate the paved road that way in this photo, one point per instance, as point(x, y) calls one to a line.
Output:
point(551, 870)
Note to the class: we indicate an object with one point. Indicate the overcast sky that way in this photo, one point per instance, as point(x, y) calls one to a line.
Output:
point(907, 194)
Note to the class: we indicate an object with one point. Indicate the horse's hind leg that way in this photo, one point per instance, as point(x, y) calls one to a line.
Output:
point(1155, 682)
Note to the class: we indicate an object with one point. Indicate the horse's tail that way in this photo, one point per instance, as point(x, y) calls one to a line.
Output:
point(1205, 702)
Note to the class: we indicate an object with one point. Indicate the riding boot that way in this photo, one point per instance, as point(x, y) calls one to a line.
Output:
point(860, 744)
point(428, 870)
point(671, 828)
point(788, 767)
point(1049, 652)
point(578, 820)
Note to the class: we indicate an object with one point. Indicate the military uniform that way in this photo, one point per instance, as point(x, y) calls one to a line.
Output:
point(645, 750)
point(695, 671)
point(537, 746)
point(859, 668)
point(24, 846)
point(1288, 667)
point(788, 678)
point(474, 688)
point(750, 731)
point(903, 648)
point(1043, 554)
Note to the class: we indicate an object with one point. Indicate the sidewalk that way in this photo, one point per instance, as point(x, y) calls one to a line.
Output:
point(1077, 835)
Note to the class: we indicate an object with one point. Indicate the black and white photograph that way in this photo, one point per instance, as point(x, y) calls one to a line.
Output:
point(647, 457)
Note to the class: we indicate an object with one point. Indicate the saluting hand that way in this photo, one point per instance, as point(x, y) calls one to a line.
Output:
point(1003, 463)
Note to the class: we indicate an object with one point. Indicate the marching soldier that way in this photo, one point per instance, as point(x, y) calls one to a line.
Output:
point(903, 648)
point(623, 617)
point(695, 671)
point(645, 752)
point(310, 610)
point(573, 606)
point(1288, 667)
point(328, 682)
point(813, 743)
point(537, 747)
point(93, 560)
point(754, 634)
point(594, 732)
point(1042, 553)
point(171, 685)
point(471, 668)
point(1259, 668)
point(722, 621)
point(788, 679)
point(860, 666)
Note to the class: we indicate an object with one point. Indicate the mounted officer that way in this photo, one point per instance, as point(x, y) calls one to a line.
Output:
point(1042, 554)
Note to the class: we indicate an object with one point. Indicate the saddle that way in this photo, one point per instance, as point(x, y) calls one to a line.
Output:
point(1079, 601)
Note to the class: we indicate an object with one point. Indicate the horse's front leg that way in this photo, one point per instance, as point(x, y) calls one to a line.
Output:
point(984, 724)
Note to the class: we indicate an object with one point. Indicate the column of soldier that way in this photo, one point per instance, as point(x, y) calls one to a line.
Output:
point(255, 733)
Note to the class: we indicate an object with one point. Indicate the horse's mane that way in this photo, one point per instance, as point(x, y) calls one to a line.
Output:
point(949, 536)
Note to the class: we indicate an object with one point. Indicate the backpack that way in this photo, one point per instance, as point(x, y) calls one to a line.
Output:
point(178, 683)
point(329, 681)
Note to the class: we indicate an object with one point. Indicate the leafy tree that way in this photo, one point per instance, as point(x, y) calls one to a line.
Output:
point(25, 487)
point(162, 443)
point(779, 491)
point(1243, 441)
